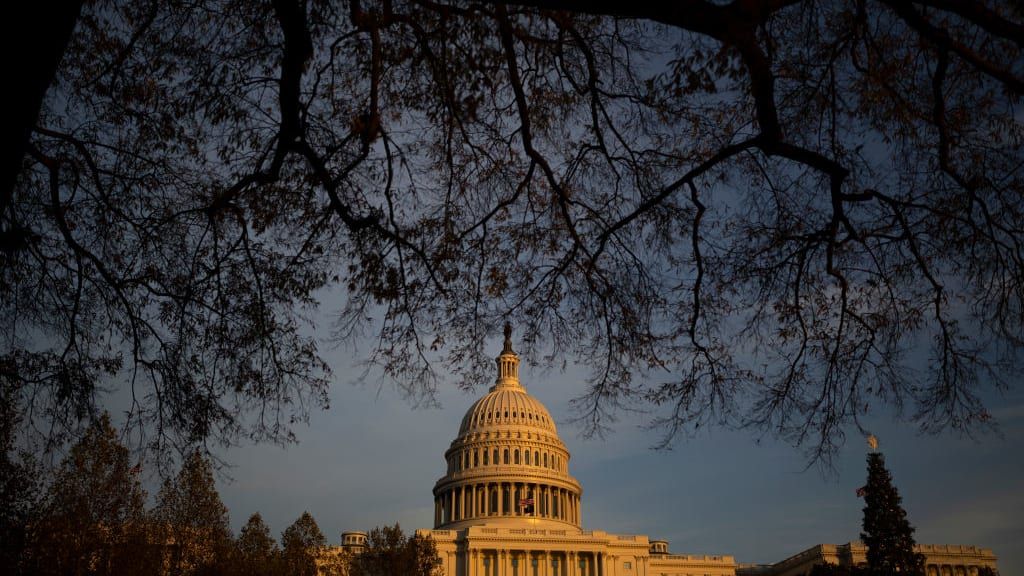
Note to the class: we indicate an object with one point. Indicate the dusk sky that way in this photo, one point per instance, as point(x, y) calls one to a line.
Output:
point(372, 460)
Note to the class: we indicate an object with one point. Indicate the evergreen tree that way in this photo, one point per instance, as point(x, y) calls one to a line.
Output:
point(301, 545)
point(887, 534)
point(193, 520)
point(257, 551)
point(93, 520)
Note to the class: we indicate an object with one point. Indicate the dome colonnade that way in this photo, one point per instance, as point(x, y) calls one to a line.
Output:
point(507, 462)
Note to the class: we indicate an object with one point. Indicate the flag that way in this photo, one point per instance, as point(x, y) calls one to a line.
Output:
point(526, 504)
point(862, 491)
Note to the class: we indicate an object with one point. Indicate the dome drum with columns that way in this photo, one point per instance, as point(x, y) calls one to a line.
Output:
point(507, 462)
point(507, 505)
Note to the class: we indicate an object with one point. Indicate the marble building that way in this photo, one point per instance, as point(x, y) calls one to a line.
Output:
point(509, 506)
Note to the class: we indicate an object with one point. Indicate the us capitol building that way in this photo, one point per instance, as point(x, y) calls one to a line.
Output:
point(508, 506)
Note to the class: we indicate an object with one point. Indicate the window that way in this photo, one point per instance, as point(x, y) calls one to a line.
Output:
point(517, 456)
point(495, 456)
point(627, 565)
point(476, 459)
point(506, 455)
point(545, 459)
point(485, 457)
point(527, 458)
point(536, 458)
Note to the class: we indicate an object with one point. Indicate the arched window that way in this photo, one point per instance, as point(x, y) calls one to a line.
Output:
point(476, 459)
point(545, 459)
point(496, 457)
point(527, 458)
point(536, 458)
point(466, 465)
point(485, 457)
point(506, 455)
point(517, 456)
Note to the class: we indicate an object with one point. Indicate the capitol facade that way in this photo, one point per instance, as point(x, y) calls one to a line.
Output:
point(508, 506)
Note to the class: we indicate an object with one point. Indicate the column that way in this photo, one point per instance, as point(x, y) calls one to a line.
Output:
point(472, 501)
point(536, 500)
point(456, 505)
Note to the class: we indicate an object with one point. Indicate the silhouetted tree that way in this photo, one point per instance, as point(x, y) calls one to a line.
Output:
point(651, 187)
point(193, 521)
point(389, 551)
point(301, 545)
point(20, 485)
point(257, 551)
point(887, 534)
point(93, 520)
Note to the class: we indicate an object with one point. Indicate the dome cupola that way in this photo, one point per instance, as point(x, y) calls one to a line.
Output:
point(507, 463)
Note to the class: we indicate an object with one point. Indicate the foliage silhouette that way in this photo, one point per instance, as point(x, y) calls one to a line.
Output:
point(741, 213)
point(389, 551)
point(887, 534)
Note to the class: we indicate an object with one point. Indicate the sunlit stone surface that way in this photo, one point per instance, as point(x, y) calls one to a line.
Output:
point(508, 506)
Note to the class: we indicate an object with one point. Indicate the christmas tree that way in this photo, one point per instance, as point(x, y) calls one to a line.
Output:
point(887, 534)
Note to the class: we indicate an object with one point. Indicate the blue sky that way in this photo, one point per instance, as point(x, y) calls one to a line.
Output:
point(371, 460)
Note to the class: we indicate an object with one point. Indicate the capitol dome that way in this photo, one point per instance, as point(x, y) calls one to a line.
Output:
point(507, 463)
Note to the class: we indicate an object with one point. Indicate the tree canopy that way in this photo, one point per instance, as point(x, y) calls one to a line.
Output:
point(782, 214)
point(301, 545)
point(389, 551)
point(887, 533)
point(193, 521)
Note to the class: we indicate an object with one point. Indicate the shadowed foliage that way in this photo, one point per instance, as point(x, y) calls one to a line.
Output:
point(746, 213)
point(93, 520)
point(300, 546)
point(192, 522)
point(390, 551)
point(887, 534)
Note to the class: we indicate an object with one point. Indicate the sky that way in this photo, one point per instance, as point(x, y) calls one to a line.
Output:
point(372, 460)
